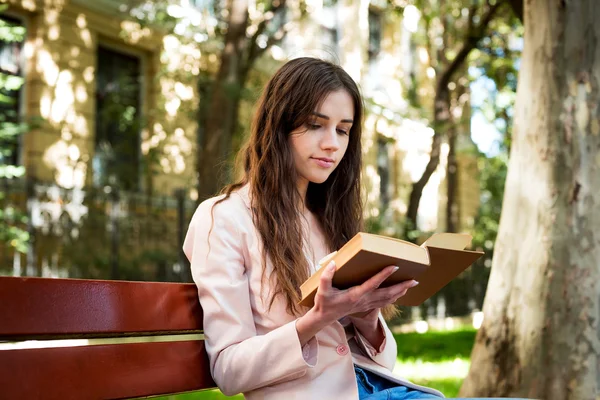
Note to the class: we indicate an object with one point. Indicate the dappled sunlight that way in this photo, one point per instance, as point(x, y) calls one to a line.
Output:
point(29, 5)
point(177, 55)
point(133, 32)
point(46, 66)
point(420, 370)
point(84, 32)
point(430, 72)
point(172, 106)
point(411, 15)
point(64, 98)
point(175, 148)
point(81, 93)
point(66, 161)
point(185, 92)
point(89, 73)
point(174, 93)
point(423, 55)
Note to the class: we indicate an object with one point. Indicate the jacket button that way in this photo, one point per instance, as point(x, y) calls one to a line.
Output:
point(342, 350)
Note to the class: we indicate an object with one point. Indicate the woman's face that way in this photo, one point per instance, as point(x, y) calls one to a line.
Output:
point(319, 146)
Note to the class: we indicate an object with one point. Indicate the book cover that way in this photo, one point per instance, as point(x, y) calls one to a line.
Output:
point(433, 264)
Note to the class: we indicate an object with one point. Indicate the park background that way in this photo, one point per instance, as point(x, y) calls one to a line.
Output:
point(118, 117)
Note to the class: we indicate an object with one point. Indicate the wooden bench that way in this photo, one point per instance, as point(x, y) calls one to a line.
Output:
point(102, 312)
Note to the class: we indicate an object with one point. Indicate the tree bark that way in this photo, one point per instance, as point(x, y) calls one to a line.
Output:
point(540, 336)
point(224, 100)
point(452, 201)
point(219, 120)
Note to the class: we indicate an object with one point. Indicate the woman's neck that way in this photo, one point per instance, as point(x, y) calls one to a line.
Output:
point(302, 186)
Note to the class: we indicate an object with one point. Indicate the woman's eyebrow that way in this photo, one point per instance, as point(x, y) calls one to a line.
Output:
point(326, 117)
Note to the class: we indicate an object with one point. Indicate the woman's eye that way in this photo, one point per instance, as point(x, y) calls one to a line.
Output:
point(313, 126)
point(342, 131)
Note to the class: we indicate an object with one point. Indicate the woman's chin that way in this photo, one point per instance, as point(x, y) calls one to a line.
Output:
point(318, 179)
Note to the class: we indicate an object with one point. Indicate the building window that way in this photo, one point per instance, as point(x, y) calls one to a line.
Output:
point(12, 35)
point(374, 34)
point(118, 99)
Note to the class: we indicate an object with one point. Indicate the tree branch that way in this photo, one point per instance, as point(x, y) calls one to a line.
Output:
point(474, 35)
point(517, 7)
point(276, 7)
point(272, 40)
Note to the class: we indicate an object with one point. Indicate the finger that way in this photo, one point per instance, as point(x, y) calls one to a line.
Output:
point(376, 280)
point(327, 277)
point(397, 290)
point(325, 260)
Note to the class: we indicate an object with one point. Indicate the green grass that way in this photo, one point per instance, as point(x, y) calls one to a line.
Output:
point(436, 359)
point(202, 395)
point(435, 346)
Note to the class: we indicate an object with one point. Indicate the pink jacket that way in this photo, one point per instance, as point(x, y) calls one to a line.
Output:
point(254, 350)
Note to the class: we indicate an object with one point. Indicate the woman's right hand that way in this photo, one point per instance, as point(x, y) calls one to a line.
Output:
point(331, 304)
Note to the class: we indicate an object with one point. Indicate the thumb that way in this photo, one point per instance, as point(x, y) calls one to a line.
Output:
point(327, 277)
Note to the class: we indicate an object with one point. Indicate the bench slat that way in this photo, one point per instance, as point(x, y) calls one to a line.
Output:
point(104, 372)
point(35, 307)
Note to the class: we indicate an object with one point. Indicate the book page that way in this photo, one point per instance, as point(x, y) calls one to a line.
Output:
point(452, 241)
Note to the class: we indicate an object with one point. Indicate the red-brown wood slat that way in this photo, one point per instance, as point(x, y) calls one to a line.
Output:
point(104, 371)
point(42, 306)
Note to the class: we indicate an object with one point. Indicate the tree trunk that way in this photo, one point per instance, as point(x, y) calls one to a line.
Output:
point(441, 116)
point(452, 200)
point(224, 97)
point(540, 337)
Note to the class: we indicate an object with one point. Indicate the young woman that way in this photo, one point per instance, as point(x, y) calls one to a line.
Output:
point(252, 247)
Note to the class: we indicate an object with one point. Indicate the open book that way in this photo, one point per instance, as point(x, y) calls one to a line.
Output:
point(434, 264)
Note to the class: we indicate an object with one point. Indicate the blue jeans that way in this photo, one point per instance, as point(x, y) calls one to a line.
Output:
point(375, 387)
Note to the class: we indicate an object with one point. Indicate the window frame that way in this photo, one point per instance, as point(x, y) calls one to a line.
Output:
point(144, 60)
point(24, 65)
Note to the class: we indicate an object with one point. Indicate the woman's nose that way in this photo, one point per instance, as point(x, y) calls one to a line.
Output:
point(330, 140)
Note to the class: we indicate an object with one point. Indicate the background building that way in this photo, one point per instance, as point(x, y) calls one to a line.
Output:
point(111, 167)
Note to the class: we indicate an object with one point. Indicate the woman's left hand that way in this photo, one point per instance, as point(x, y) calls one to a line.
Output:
point(368, 325)
point(371, 315)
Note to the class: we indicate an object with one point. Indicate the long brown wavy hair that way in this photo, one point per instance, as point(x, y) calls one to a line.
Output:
point(290, 97)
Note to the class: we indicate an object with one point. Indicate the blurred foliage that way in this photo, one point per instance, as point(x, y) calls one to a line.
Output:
point(12, 220)
point(494, 61)
point(497, 59)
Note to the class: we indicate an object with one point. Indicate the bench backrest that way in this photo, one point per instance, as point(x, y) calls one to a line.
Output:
point(103, 312)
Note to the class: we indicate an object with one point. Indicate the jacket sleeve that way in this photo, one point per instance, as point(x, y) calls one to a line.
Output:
point(386, 354)
point(240, 359)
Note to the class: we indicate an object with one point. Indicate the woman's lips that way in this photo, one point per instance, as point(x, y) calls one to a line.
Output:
point(324, 162)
